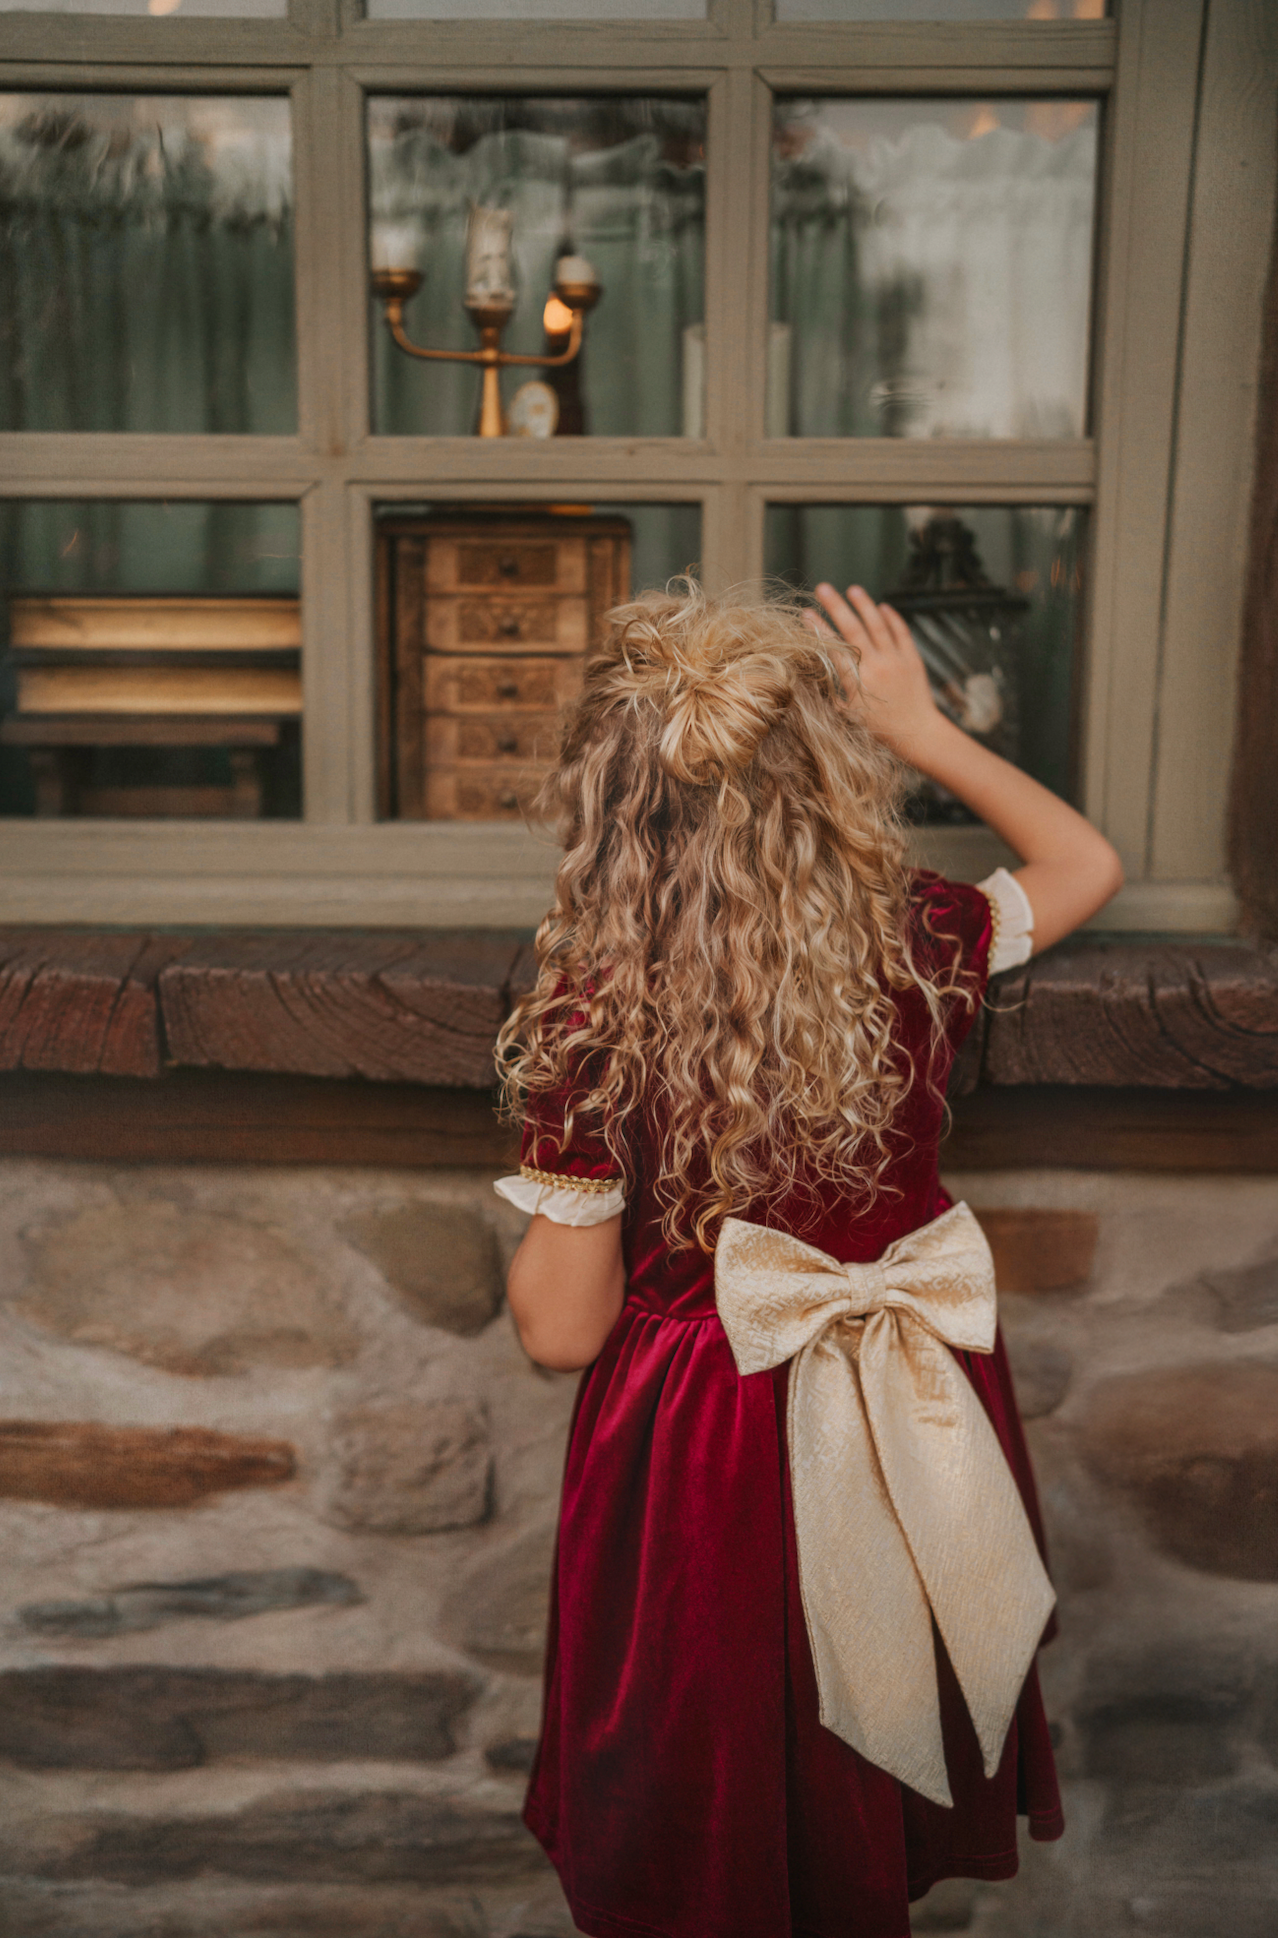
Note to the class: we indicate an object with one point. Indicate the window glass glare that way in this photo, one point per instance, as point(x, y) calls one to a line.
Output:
point(536, 9)
point(206, 9)
point(150, 660)
point(935, 10)
point(993, 595)
point(931, 267)
point(147, 247)
point(618, 181)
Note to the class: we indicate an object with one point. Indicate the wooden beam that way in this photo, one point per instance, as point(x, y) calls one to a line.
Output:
point(420, 1009)
point(1156, 1016)
point(217, 1117)
point(81, 1002)
point(1253, 851)
point(423, 1007)
point(1062, 1127)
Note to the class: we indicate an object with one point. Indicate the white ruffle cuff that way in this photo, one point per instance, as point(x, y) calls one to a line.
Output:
point(1013, 921)
point(565, 1201)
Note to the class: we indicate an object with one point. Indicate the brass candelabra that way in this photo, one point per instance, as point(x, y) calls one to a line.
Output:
point(575, 286)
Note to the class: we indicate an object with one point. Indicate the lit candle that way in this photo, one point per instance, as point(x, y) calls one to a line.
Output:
point(488, 257)
point(395, 245)
point(575, 271)
point(556, 318)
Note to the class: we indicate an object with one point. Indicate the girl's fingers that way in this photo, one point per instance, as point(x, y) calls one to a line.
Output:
point(816, 624)
point(901, 634)
point(871, 618)
point(847, 622)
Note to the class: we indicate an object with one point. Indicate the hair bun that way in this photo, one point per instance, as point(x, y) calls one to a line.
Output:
point(715, 719)
point(716, 679)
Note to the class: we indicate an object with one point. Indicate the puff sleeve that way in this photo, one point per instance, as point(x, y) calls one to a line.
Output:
point(1013, 921)
point(572, 1183)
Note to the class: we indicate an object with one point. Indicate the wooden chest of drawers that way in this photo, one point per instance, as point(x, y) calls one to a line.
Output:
point(483, 624)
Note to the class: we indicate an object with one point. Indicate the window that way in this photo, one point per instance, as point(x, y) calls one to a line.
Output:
point(879, 277)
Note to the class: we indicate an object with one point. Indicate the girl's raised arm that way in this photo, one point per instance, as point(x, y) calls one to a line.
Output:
point(1070, 870)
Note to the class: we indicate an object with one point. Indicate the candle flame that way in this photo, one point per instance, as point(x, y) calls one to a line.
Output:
point(556, 318)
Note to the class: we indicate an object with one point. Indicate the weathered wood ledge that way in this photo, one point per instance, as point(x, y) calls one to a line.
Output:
point(424, 1008)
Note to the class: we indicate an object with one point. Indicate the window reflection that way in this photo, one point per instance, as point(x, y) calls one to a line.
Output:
point(146, 263)
point(485, 616)
point(150, 663)
point(932, 267)
point(993, 595)
point(619, 180)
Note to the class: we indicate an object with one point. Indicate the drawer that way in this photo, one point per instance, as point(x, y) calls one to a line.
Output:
point(479, 625)
point(466, 684)
point(516, 738)
point(552, 563)
point(481, 793)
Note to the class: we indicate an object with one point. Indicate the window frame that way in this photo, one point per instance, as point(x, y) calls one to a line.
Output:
point(1144, 686)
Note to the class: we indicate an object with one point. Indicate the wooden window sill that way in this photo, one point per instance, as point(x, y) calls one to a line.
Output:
point(424, 1007)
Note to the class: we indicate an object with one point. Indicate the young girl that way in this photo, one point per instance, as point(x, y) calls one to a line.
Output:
point(790, 1678)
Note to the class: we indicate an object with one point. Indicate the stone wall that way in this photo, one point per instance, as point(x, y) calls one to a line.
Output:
point(277, 1491)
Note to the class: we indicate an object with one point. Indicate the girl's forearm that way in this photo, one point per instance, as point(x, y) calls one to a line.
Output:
point(1070, 869)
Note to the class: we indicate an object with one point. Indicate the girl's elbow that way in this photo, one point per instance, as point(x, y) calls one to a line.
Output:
point(1111, 874)
point(550, 1338)
point(558, 1350)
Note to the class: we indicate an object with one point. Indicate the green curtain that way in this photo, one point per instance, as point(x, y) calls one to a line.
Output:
point(932, 263)
point(146, 264)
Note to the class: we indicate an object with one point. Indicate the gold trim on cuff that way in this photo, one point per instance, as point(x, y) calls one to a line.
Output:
point(996, 923)
point(558, 1182)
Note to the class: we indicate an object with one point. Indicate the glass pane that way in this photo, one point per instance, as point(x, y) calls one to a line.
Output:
point(224, 9)
point(617, 180)
point(485, 615)
point(993, 594)
point(536, 9)
point(146, 263)
point(151, 659)
point(940, 9)
point(931, 267)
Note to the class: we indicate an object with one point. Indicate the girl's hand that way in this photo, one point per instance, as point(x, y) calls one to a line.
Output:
point(884, 677)
point(1070, 869)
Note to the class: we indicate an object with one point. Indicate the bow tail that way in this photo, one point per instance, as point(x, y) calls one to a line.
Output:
point(963, 1517)
point(865, 1607)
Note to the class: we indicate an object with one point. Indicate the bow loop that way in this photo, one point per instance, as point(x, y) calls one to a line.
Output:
point(904, 1506)
point(775, 1293)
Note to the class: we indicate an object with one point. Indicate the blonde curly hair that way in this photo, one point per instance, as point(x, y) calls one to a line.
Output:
point(729, 926)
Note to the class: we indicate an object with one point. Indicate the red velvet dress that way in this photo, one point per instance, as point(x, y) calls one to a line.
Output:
point(683, 1786)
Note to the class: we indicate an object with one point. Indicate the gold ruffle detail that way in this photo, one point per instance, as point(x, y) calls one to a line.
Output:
point(995, 924)
point(557, 1181)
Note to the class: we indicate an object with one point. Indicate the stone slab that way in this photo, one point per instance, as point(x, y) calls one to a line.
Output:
point(174, 1719)
point(441, 1261)
point(142, 1605)
point(80, 1463)
point(375, 1837)
point(408, 1467)
point(207, 1908)
point(193, 1292)
point(1196, 1450)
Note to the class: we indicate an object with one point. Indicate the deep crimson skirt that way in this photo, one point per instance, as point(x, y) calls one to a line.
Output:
point(683, 1785)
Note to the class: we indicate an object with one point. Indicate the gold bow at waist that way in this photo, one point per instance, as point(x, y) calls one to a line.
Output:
point(904, 1505)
